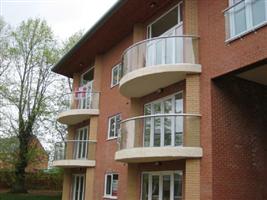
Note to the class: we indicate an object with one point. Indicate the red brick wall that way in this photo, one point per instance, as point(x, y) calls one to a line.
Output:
point(111, 103)
point(239, 121)
point(218, 58)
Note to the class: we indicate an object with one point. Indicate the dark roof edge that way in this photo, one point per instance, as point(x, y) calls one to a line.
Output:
point(88, 34)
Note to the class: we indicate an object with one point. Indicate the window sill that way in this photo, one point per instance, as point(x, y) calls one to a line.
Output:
point(240, 35)
point(113, 138)
point(109, 197)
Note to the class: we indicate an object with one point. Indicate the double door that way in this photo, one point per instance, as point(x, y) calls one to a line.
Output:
point(168, 50)
point(166, 185)
point(163, 127)
point(81, 144)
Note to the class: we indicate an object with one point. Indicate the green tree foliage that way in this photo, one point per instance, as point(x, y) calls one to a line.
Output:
point(26, 92)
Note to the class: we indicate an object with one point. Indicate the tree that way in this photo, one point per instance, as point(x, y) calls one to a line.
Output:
point(4, 42)
point(29, 87)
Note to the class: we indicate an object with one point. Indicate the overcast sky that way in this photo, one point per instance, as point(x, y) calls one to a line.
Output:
point(64, 16)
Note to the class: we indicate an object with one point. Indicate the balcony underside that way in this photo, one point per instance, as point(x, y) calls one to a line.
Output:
point(146, 80)
point(156, 154)
point(73, 163)
point(75, 116)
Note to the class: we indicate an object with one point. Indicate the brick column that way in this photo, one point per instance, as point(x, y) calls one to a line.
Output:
point(66, 192)
point(89, 184)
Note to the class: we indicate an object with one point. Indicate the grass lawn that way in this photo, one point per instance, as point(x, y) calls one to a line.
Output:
point(7, 196)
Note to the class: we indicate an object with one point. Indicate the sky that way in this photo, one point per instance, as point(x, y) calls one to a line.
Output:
point(65, 17)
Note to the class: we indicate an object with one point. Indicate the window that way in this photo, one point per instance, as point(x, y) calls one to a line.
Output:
point(166, 22)
point(113, 126)
point(162, 185)
point(78, 187)
point(116, 75)
point(111, 185)
point(87, 76)
point(244, 16)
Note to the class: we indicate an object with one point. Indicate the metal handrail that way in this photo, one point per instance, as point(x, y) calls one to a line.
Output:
point(225, 10)
point(162, 115)
point(157, 38)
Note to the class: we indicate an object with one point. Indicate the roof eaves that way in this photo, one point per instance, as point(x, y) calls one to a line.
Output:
point(88, 34)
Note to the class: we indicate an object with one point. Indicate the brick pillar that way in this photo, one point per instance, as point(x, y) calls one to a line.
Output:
point(192, 137)
point(89, 184)
point(192, 179)
point(132, 182)
point(67, 179)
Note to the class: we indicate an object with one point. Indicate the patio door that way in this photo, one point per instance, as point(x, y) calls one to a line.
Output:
point(81, 144)
point(78, 187)
point(162, 185)
point(164, 130)
point(85, 100)
point(167, 50)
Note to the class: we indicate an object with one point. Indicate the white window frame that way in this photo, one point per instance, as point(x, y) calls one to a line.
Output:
point(249, 22)
point(111, 185)
point(117, 67)
point(79, 188)
point(83, 145)
point(160, 174)
point(116, 126)
point(172, 96)
point(179, 7)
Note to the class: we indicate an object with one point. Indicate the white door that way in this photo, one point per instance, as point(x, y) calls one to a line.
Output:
point(164, 131)
point(78, 187)
point(81, 144)
point(162, 185)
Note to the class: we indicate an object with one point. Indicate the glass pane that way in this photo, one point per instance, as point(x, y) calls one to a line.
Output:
point(150, 53)
point(108, 185)
point(165, 23)
point(155, 187)
point(170, 44)
point(115, 76)
point(166, 187)
point(147, 125)
point(81, 188)
point(179, 56)
point(177, 186)
point(179, 103)
point(258, 11)
point(145, 187)
point(167, 122)
point(118, 119)
point(167, 131)
point(157, 125)
point(159, 52)
point(239, 14)
point(112, 127)
point(115, 184)
point(76, 188)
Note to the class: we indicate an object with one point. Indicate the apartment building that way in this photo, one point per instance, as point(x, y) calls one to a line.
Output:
point(169, 103)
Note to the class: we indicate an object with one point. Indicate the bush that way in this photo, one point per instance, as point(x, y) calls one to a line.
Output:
point(41, 180)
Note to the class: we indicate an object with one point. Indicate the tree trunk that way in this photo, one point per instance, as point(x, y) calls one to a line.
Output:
point(20, 174)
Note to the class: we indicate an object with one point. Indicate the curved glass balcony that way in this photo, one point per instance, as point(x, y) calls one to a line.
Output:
point(74, 153)
point(158, 137)
point(158, 62)
point(78, 106)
